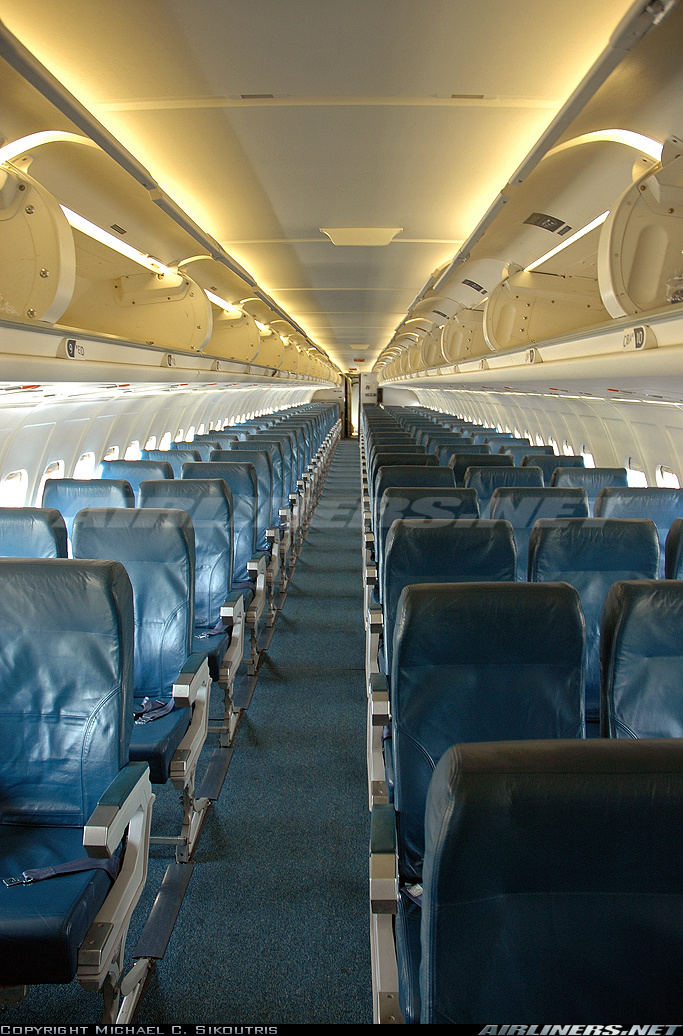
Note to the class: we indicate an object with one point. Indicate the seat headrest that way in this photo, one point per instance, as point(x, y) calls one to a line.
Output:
point(524, 505)
point(526, 840)
point(36, 532)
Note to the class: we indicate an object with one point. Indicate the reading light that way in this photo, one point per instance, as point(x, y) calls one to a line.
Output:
point(105, 238)
point(598, 221)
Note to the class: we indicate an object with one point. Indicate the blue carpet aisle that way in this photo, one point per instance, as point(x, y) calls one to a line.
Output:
point(274, 927)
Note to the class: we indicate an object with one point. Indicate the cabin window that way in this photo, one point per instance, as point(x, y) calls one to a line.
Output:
point(151, 443)
point(53, 470)
point(634, 473)
point(190, 433)
point(165, 443)
point(588, 459)
point(666, 478)
point(528, 435)
point(201, 429)
point(567, 448)
point(133, 451)
point(539, 440)
point(13, 489)
point(556, 449)
point(85, 466)
point(112, 453)
point(180, 436)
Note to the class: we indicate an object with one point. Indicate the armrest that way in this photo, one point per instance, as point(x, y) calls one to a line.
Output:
point(192, 676)
point(129, 792)
point(371, 575)
point(257, 564)
point(376, 625)
point(273, 536)
point(378, 692)
point(285, 514)
point(383, 861)
point(233, 607)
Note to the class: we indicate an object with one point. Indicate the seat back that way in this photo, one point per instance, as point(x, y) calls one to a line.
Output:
point(673, 550)
point(204, 447)
point(176, 458)
point(156, 547)
point(441, 550)
point(263, 466)
point(591, 554)
point(518, 451)
point(564, 859)
point(484, 480)
point(662, 506)
point(240, 477)
point(135, 471)
point(442, 438)
point(32, 532)
point(276, 449)
point(478, 662)
point(423, 503)
point(522, 507)
point(66, 681)
point(287, 447)
point(444, 451)
point(208, 502)
point(641, 656)
point(547, 463)
point(70, 495)
point(460, 462)
point(417, 476)
point(591, 479)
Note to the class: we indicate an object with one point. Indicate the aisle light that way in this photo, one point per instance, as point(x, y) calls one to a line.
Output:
point(598, 221)
point(105, 238)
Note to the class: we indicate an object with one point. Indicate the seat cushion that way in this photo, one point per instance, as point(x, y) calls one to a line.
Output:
point(155, 742)
point(213, 644)
point(42, 925)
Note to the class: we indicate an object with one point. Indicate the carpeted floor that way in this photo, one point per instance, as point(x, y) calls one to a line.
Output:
point(274, 928)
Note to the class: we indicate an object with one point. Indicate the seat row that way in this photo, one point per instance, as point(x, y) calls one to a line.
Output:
point(107, 661)
point(507, 827)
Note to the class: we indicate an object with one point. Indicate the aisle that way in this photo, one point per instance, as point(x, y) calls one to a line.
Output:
point(281, 875)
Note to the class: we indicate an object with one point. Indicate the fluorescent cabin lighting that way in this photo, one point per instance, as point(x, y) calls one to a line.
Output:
point(638, 141)
point(598, 221)
point(105, 238)
point(228, 307)
point(15, 148)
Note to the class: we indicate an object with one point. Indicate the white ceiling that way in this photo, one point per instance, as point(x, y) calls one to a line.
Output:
point(362, 130)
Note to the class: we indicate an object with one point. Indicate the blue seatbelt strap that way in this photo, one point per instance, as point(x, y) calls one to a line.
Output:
point(149, 710)
point(84, 863)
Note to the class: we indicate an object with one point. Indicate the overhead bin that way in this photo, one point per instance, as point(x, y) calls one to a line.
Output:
point(235, 336)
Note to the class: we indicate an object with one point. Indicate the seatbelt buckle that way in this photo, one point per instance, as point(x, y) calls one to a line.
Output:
point(22, 880)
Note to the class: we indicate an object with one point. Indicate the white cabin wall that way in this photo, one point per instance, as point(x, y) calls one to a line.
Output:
point(651, 433)
point(36, 435)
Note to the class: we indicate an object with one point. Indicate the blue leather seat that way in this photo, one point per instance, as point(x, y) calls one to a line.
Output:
point(32, 532)
point(553, 858)
point(249, 565)
point(276, 451)
point(522, 507)
point(662, 506)
point(519, 451)
point(641, 655)
point(171, 685)
point(218, 614)
point(673, 550)
point(176, 458)
point(548, 463)
point(71, 495)
point(135, 471)
point(263, 465)
point(460, 462)
point(443, 438)
point(416, 475)
point(421, 502)
point(591, 554)
point(593, 480)
point(472, 662)
point(444, 451)
point(204, 447)
point(441, 550)
point(484, 480)
point(66, 695)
